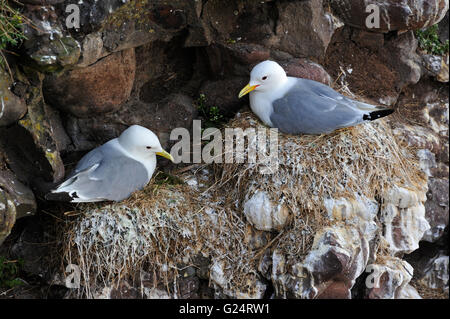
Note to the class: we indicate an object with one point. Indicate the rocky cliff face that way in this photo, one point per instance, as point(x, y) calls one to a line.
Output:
point(69, 88)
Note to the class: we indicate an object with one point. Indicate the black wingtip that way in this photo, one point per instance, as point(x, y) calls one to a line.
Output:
point(377, 114)
point(60, 197)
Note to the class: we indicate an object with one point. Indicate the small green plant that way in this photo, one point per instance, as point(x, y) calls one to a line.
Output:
point(211, 114)
point(9, 271)
point(11, 28)
point(162, 178)
point(429, 41)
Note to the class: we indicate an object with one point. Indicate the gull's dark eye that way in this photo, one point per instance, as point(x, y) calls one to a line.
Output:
point(149, 147)
point(264, 78)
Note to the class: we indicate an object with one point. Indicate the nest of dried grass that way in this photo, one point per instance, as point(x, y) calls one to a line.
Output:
point(363, 160)
point(162, 228)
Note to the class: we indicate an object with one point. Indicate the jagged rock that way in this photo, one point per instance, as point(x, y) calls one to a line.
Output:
point(436, 66)
point(48, 47)
point(443, 28)
point(436, 275)
point(303, 22)
point(12, 107)
point(338, 256)
point(427, 161)
point(264, 214)
point(389, 278)
point(359, 212)
point(381, 71)
point(370, 40)
point(235, 21)
point(16, 201)
point(400, 53)
point(140, 22)
point(408, 292)
point(92, 50)
point(34, 247)
point(30, 145)
point(217, 93)
point(436, 208)
point(394, 15)
point(303, 68)
point(403, 217)
point(100, 88)
point(20, 195)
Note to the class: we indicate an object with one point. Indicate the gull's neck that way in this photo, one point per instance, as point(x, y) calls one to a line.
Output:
point(149, 161)
point(261, 101)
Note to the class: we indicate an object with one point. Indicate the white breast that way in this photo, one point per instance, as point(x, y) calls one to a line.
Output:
point(261, 101)
point(148, 162)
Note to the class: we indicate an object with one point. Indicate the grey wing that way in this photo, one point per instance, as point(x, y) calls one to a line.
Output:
point(99, 178)
point(311, 107)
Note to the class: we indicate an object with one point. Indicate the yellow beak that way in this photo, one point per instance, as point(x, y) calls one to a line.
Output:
point(165, 155)
point(248, 88)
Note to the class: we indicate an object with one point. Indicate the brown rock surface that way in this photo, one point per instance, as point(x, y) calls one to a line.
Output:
point(100, 88)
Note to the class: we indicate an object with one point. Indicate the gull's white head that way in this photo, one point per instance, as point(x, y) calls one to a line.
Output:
point(142, 143)
point(265, 76)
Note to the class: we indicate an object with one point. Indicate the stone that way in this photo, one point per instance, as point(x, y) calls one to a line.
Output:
point(231, 60)
point(436, 275)
point(100, 88)
point(7, 215)
point(48, 46)
point(137, 23)
point(338, 256)
point(219, 93)
point(408, 292)
point(389, 277)
point(359, 212)
point(436, 208)
point(12, 107)
point(264, 214)
point(304, 23)
point(30, 145)
point(366, 39)
point(92, 50)
point(303, 68)
point(436, 66)
point(34, 247)
point(394, 15)
point(400, 54)
point(20, 195)
point(443, 28)
point(403, 217)
point(381, 67)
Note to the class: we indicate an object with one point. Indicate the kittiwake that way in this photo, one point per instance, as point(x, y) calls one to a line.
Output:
point(114, 170)
point(302, 106)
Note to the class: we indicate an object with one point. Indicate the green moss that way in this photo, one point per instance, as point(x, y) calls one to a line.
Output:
point(162, 178)
point(429, 41)
point(136, 11)
point(211, 114)
point(11, 31)
point(9, 270)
